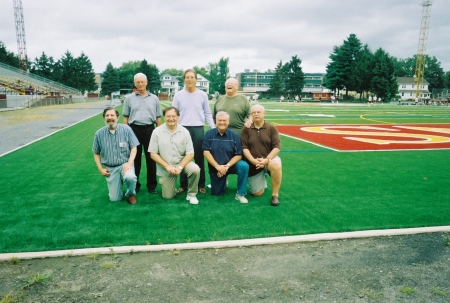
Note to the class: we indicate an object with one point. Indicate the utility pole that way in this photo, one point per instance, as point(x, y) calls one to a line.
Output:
point(423, 37)
point(20, 35)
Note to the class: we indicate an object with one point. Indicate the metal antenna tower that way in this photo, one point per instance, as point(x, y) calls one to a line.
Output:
point(20, 35)
point(423, 37)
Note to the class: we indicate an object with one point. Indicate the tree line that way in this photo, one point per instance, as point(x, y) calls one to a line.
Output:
point(114, 79)
point(352, 67)
point(75, 72)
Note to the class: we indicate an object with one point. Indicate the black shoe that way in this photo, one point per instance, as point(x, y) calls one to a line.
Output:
point(152, 191)
point(275, 201)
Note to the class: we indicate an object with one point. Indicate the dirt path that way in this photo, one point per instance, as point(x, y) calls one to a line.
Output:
point(413, 268)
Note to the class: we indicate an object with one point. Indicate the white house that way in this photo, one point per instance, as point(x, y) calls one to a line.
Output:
point(202, 83)
point(169, 84)
point(407, 88)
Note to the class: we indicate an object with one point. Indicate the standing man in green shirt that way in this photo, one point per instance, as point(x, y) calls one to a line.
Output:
point(235, 105)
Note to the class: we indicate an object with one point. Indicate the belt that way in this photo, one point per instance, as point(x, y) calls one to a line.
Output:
point(142, 125)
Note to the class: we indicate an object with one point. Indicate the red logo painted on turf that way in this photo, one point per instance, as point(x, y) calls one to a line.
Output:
point(373, 137)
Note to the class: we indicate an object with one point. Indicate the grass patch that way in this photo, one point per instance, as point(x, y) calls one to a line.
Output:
point(407, 290)
point(447, 240)
point(37, 279)
point(14, 260)
point(61, 200)
point(109, 265)
point(440, 292)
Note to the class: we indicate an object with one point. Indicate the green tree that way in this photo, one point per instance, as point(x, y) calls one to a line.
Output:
point(433, 71)
point(43, 66)
point(363, 70)
point(217, 73)
point(335, 71)
point(295, 78)
point(277, 85)
point(85, 75)
point(69, 75)
point(126, 73)
point(384, 83)
point(447, 79)
point(8, 57)
point(110, 80)
point(340, 71)
point(153, 76)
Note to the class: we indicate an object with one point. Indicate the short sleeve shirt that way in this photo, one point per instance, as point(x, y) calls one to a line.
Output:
point(172, 147)
point(237, 107)
point(222, 147)
point(114, 147)
point(141, 110)
point(260, 142)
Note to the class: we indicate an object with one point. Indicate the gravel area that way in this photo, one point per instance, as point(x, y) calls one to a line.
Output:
point(409, 268)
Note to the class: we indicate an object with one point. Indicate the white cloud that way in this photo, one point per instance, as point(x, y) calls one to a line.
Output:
point(253, 34)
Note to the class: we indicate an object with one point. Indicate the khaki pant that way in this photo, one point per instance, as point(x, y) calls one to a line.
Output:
point(168, 183)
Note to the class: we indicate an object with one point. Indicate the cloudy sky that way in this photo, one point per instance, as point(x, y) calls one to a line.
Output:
point(253, 34)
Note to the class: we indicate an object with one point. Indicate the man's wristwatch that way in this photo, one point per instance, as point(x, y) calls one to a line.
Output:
point(227, 165)
point(269, 159)
point(180, 167)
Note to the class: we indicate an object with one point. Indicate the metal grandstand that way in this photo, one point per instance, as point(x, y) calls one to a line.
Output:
point(13, 81)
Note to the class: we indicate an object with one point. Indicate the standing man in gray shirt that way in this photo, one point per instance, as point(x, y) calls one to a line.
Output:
point(141, 111)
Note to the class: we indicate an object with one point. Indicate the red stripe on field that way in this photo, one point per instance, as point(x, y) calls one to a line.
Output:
point(361, 137)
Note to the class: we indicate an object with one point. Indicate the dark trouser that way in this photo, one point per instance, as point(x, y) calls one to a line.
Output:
point(197, 135)
point(143, 133)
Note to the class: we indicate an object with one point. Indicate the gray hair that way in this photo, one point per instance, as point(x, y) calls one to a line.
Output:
point(140, 75)
point(235, 81)
point(222, 113)
point(258, 105)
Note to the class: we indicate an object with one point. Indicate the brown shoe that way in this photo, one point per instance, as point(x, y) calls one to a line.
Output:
point(132, 199)
point(275, 201)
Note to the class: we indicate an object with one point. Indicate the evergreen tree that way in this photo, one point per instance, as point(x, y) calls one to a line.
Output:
point(384, 82)
point(277, 85)
point(110, 80)
point(340, 71)
point(153, 77)
point(295, 79)
point(43, 66)
point(363, 71)
point(335, 71)
point(69, 75)
point(85, 76)
point(8, 57)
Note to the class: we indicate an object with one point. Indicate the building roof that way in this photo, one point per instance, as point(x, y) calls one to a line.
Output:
point(409, 80)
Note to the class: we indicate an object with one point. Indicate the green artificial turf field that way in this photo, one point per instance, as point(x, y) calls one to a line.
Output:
point(54, 198)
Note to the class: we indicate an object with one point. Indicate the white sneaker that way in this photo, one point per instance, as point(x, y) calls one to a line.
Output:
point(192, 199)
point(241, 199)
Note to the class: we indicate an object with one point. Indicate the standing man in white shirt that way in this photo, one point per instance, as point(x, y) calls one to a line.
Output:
point(194, 110)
